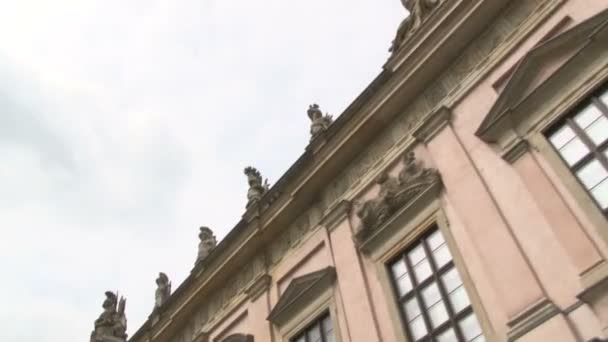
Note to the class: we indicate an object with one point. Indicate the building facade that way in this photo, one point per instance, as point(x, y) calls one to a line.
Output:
point(463, 196)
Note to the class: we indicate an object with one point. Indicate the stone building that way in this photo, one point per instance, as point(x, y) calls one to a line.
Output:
point(463, 196)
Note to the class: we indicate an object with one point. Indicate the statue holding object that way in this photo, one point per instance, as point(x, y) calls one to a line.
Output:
point(111, 326)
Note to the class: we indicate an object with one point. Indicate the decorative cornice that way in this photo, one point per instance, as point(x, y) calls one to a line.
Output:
point(537, 314)
point(515, 150)
point(258, 287)
point(432, 124)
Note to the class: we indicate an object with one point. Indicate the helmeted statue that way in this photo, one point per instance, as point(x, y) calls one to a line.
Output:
point(319, 123)
point(163, 290)
point(419, 11)
point(256, 188)
point(111, 326)
point(207, 243)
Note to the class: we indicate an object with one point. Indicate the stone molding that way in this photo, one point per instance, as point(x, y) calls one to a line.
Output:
point(336, 215)
point(258, 287)
point(515, 150)
point(238, 338)
point(532, 317)
point(432, 124)
point(300, 292)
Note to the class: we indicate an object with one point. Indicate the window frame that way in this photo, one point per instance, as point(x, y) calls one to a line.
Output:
point(417, 287)
point(318, 321)
point(595, 152)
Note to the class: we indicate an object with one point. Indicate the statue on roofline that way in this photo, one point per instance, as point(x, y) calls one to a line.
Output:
point(163, 290)
point(111, 326)
point(256, 188)
point(207, 243)
point(419, 10)
point(319, 123)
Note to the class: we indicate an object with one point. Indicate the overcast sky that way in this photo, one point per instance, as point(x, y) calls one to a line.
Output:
point(126, 124)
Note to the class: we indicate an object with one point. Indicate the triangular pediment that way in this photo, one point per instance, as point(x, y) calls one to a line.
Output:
point(300, 288)
point(537, 66)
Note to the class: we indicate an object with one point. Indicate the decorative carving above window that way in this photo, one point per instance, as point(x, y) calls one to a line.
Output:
point(238, 338)
point(395, 193)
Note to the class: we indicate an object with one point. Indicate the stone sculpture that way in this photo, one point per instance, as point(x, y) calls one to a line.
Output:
point(319, 123)
point(206, 245)
point(395, 192)
point(419, 11)
point(256, 188)
point(163, 290)
point(111, 326)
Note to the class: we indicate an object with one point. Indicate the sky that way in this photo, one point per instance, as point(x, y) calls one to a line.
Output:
point(126, 124)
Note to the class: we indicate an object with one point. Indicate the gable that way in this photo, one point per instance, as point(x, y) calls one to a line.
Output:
point(300, 289)
point(537, 66)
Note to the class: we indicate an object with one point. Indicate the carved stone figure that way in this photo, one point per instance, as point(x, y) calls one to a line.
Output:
point(395, 192)
point(163, 290)
point(319, 123)
point(111, 326)
point(419, 11)
point(256, 188)
point(207, 244)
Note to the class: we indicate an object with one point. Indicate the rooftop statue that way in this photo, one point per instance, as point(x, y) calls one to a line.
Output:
point(419, 10)
point(111, 326)
point(163, 290)
point(207, 243)
point(319, 123)
point(256, 188)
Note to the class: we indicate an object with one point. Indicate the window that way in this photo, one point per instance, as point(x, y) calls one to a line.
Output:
point(433, 301)
point(321, 330)
point(581, 139)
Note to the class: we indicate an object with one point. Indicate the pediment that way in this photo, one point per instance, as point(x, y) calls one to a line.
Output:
point(537, 67)
point(300, 290)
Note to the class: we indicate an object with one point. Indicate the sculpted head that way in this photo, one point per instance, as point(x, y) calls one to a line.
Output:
point(205, 234)
point(314, 113)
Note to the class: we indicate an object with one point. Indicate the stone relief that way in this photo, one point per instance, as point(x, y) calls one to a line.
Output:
point(419, 10)
point(111, 326)
point(395, 192)
point(207, 243)
point(319, 122)
point(163, 290)
point(256, 188)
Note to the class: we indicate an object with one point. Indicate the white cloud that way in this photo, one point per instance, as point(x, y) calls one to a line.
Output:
point(125, 125)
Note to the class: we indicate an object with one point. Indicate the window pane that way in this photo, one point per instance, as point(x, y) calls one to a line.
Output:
point(423, 271)
point(598, 131)
point(459, 299)
point(442, 256)
point(470, 327)
point(404, 284)
point(479, 338)
point(592, 174)
point(416, 254)
point(431, 295)
point(562, 136)
point(314, 334)
point(451, 280)
point(604, 97)
point(600, 193)
point(301, 339)
point(438, 314)
point(417, 328)
point(435, 240)
point(574, 151)
point(398, 269)
point(587, 116)
point(328, 329)
point(412, 309)
point(448, 336)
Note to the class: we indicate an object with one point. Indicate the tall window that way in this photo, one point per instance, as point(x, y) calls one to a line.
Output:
point(321, 330)
point(581, 139)
point(433, 301)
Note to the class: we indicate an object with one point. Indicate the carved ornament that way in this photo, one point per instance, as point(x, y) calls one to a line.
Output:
point(419, 11)
point(111, 326)
point(395, 192)
point(207, 243)
point(319, 122)
point(163, 290)
point(257, 190)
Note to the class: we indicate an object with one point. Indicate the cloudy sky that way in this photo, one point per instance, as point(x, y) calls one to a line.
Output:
point(126, 124)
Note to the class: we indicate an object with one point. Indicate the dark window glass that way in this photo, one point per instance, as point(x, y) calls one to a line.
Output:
point(321, 330)
point(581, 139)
point(434, 303)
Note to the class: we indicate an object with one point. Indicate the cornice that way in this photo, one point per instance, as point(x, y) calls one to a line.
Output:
point(515, 150)
point(258, 287)
point(537, 314)
point(432, 124)
point(336, 215)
